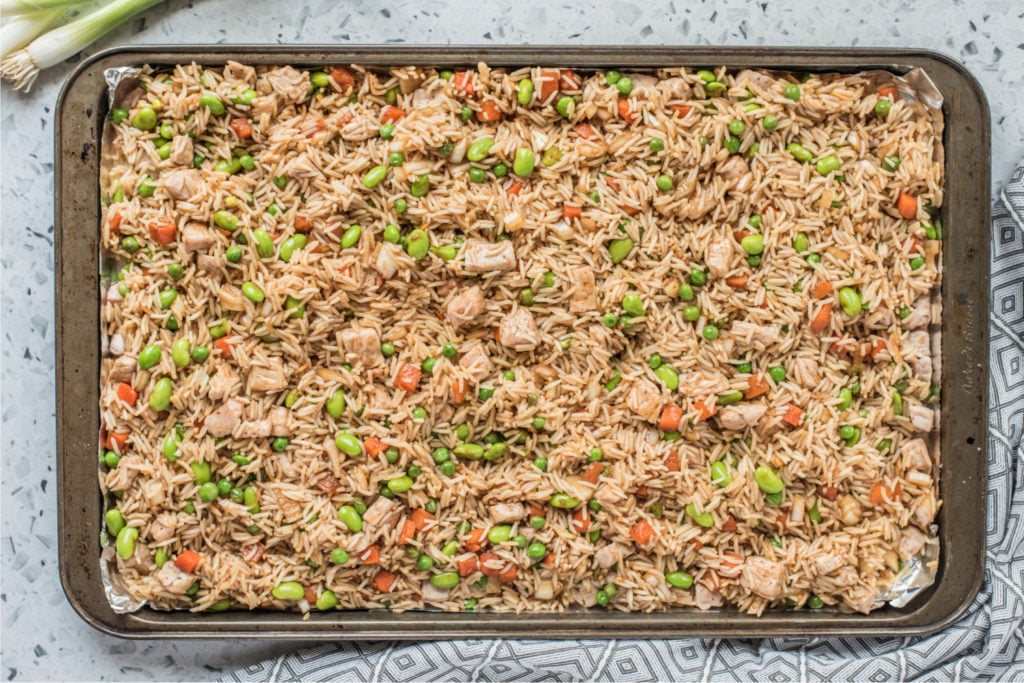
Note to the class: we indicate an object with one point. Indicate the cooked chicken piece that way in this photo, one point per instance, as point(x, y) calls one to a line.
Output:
point(264, 106)
point(917, 352)
point(862, 599)
point(912, 540)
point(674, 88)
point(380, 510)
point(827, 563)
point(240, 72)
point(279, 421)
point(701, 383)
point(609, 494)
point(732, 168)
point(387, 260)
point(718, 257)
point(476, 363)
point(922, 417)
point(752, 333)
point(181, 151)
point(764, 577)
point(122, 476)
point(197, 237)
point(163, 527)
point(805, 371)
point(362, 346)
point(122, 369)
point(518, 330)
point(270, 377)
point(506, 512)
point(253, 552)
point(741, 416)
point(706, 598)
point(644, 400)
point(593, 148)
point(920, 314)
point(488, 257)
point(328, 484)
point(222, 383)
point(916, 456)
point(359, 128)
point(584, 290)
point(174, 580)
point(850, 510)
point(211, 265)
point(611, 554)
point(751, 78)
point(231, 298)
point(465, 306)
point(291, 84)
point(925, 509)
point(224, 419)
point(183, 183)
point(409, 78)
point(255, 429)
point(432, 593)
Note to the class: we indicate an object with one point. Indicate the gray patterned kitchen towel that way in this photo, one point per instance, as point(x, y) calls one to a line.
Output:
point(986, 643)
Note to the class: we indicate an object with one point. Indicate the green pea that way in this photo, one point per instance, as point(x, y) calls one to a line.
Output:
point(679, 580)
point(770, 122)
point(419, 244)
point(400, 484)
point(655, 361)
point(419, 188)
point(111, 459)
point(164, 151)
point(339, 556)
point(524, 91)
point(167, 297)
point(619, 249)
point(614, 381)
point(374, 176)
point(445, 580)
point(200, 354)
point(252, 292)
point(753, 243)
point(882, 107)
point(736, 127)
point(479, 150)
point(264, 245)
point(396, 159)
point(441, 455)
point(466, 113)
point(213, 103)
point(386, 131)
point(541, 463)
point(125, 542)
point(733, 144)
point(350, 518)
point(602, 598)
point(564, 501)
point(233, 254)
point(449, 350)
point(335, 406)
point(768, 480)
point(289, 590)
point(813, 259)
point(610, 319)
point(387, 349)
point(348, 444)
point(729, 398)
point(115, 521)
point(791, 92)
point(469, 451)
point(279, 444)
point(149, 357)
point(799, 152)
point(200, 472)
point(144, 119)
point(351, 236)
point(499, 534)
point(849, 434)
point(850, 300)
point(845, 399)
point(801, 243)
point(118, 115)
point(477, 175)
point(657, 144)
point(624, 85)
point(208, 492)
point(698, 278)
point(704, 519)
point(160, 399)
point(710, 332)
point(668, 376)
point(524, 162)
point(664, 183)
point(777, 373)
point(240, 460)
point(223, 488)
point(916, 263)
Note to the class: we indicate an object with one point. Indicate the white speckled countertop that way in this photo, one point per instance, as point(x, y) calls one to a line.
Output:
point(42, 637)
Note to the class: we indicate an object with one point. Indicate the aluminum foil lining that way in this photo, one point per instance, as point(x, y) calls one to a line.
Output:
point(919, 571)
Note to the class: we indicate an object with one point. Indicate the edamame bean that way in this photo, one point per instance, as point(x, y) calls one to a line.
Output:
point(213, 103)
point(350, 518)
point(170, 446)
point(720, 476)
point(799, 152)
point(160, 558)
point(801, 243)
point(479, 150)
point(335, 405)
point(252, 292)
point(827, 165)
point(115, 521)
point(419, 188)
point(247, 162)
point(704, 519)
point(160, 398)
point(849, 434)
point(524, 162)
point(400, 484)
point(469, 451)
point(729, 398)
point(679, 580)
point(445, 580)
point(348, 444)
point(768, 480)
point(499, 534)
point(291, 245)
point(149, 356)
point(524, 91)
point(245, 98)
point(849, 299)
point(633, 304)
point(167, 297)
point(619, 249)
point(495, 452)
point(264, 245)
point(419, 244)
point(668, 376)
point(753, 243)
point(226, 220)
point(180, 352)
point(164, 151)
point(125, 543)
point(351, 236)
point(392, 234)
point(144, 119)
point(327, 600)
point(845, 399)
point(374, 176)
point(564, 501)
point(770, 122)
point(707, 76)
point(289, 590)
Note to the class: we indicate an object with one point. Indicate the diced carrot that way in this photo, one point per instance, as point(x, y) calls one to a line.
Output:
point(729, 525)
point(390, 114)
point(488, 111)
point(883, 493)
point(696, 543)
point(757, 385)
point(489, 564)
point(737, 281)
point(514, 189)
point(374, 446)
point(474, 540)
point(468, 565)
point(681, 110)
point(794, 414)
point(408, 377)
point(907, 205)
point(822, 318)
point(822, 290)
point(612, 183)
point(671, 415)
point(343, 77)
point(828, 492)
point(509, 573)
point(242, 128)
point(162, 233)
point(127, 394)
point(630, 210)
point(730, 561)
point(117, 441)
point(302, 224)
point(626, 112)
point(225, 346)
point(371, 555)
point(570, 211)
point(547, 83)
point(593, 472)
point(420, 517)
point(876, 349)
point(568, 80)
point(408, 531)
point(581, 520)
point(915, 246)
point(642, 532)
point(309, 594)
point(459, 389)
point(738, 235)
point(837, 349)
point(889, 91)
point(549, 560)
point(536, 510)
point(384, 580)
point(115, 221)
point(705, 408)
point(642, 491)
point(585, 130)
point(187, 561)
point(673, 462)
point(781, 521)
point(463, 81)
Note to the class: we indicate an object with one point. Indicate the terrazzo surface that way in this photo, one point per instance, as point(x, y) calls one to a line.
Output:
point(42, 638)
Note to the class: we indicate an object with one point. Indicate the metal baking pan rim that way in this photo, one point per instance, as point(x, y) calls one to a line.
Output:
point(967, 312)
